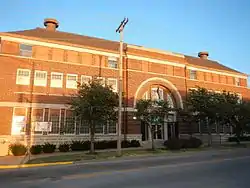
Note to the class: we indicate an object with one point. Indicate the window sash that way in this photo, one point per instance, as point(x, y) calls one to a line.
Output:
point(40, 78)
point(56, 80)
point(113, 83)
point(85, 79)
point(193, 74)
point(23, 77)
point(71, 81)
point(25, 50)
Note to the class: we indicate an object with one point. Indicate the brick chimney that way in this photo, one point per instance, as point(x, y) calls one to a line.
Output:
point(51, 24)
point(203, 55)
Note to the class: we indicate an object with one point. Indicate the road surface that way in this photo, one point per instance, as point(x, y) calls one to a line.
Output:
point(223, 169)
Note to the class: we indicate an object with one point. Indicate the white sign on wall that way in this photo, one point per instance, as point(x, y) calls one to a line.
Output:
point(18, 125)
point(42, 126)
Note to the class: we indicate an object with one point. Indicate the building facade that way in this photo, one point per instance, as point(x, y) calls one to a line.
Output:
point(40, 69)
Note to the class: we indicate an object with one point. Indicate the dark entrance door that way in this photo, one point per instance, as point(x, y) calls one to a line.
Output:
point(173, 130)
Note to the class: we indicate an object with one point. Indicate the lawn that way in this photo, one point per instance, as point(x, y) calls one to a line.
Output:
point(99, 155)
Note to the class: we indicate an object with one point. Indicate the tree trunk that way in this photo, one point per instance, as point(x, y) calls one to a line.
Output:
point(209, 132)
point(92, 140)
point(152, 137)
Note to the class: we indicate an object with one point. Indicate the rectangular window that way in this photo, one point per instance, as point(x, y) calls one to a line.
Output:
point(25, 50)
point(40, 78)
point(112, 62)
point(70, 120)
point(237, 81)
point(84, 127)
point(101, 80)
point(71, 81)
point(37, 116)
point(56, 80)
point(157, 94)
point(85, 79)
point(193, 74)
point(99, 128)
point(111, 127)
point(113, 83)
point(54, 118)
point(23, 77)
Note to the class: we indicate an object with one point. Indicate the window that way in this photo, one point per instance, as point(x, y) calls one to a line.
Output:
point(111, 127)
point(102, 80)
point(54, 118)
point(157, 94)
point(37, 116)
point(237, 81)
point(193, 74)
point(71, 81)
point(25, 50)
point(40, 78)
point(56, 80)
point(84, 127)
point(85, 79)
point(239, 98)
point(112, 62)
point(113, 83)
point(23, 77)
point(69, 126)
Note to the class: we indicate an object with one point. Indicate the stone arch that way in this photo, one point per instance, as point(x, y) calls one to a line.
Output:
point(160, 81)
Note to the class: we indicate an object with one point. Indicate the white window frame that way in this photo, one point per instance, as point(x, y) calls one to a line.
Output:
point(32, 114)
point(40, 82)
point(27, 82)
point(56, 84)
point(190, 77)
point(237, 81)
point(101, 78)
point(85, 76)
point(113, 59)
point(25, 53)
point(116, 84)
point(70, 83)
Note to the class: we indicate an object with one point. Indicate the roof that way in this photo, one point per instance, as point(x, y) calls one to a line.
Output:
point(69, 38)
point(196, 61)
point(104, 44)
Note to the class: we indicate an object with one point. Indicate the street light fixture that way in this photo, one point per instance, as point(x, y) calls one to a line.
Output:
point(119, 127)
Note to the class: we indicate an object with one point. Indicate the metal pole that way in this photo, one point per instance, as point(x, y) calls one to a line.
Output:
point(119, 152)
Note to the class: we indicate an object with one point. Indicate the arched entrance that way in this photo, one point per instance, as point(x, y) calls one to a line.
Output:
point(167, 91)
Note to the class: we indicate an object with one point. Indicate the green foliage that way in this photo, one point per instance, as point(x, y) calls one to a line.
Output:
point(80, 145)
point(135, 143)
point(95, 104)
point(173, 144)
point(36, 149)
point(241, 138)
point(49, 148)
point(64, 147)
point(18, 149)
point(177, 144)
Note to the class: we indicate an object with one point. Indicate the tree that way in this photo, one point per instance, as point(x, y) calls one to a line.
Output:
point(202, 103)
point(152, 113)
point(95, 104)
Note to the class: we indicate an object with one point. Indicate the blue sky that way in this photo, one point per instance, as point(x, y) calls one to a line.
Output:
point(220, 27)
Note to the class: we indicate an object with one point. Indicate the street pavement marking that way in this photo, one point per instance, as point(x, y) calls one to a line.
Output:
point(95, 174)
point(33, 165)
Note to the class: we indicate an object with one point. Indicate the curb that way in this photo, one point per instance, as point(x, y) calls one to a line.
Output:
point(34, 165)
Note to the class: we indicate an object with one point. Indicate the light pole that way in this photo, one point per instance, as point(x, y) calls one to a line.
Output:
point(119, 127)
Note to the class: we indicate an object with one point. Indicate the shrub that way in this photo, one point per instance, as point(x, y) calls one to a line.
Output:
point(125, 144)
point(235, 139)
point(36, 149)
point(112, 144)
point(18, 149)
point(64, 147)
point(194, 142)
point(49, 148)
point(135, 143)
point(101, 145)
point(173, 144)
point(80, 145)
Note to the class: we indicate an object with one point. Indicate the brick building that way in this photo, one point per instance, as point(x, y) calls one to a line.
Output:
point(40, 68)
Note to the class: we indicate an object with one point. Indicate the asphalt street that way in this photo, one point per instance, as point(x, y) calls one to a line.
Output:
point(222, 169)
